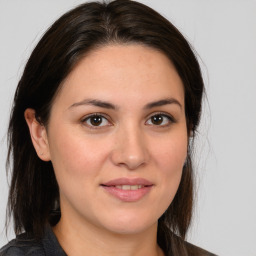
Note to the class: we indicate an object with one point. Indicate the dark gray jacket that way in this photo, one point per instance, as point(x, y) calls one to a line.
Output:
point(49, 246)
point(23, 245)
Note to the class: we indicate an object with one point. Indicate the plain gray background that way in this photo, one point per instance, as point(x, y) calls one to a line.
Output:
point(223, 32)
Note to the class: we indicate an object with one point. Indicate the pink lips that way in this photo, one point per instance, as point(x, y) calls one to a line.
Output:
point(140, 187)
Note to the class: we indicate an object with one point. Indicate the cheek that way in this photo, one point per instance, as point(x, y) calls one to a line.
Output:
point(77, 163)
point(171, 154)
point(170, 159)
point(76, 158)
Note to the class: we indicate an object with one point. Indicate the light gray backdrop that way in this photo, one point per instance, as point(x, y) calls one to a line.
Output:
point(223, 32)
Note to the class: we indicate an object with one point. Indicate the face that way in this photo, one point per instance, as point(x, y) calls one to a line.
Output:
point(117, 138)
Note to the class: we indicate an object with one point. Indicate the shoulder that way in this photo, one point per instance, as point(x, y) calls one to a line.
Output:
point(193, 250)
point(181, 247)
point(26, 245)
point(23, 245)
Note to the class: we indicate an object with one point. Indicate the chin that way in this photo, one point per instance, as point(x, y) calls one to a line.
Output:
point(128, 225)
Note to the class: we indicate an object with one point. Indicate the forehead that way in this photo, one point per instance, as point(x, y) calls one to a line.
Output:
point(137, 71)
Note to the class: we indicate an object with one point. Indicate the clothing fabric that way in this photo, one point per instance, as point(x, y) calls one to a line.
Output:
point(49, 246)
point(23, 245)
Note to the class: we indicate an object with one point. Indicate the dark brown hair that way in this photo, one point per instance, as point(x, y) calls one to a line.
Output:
point(34, 196)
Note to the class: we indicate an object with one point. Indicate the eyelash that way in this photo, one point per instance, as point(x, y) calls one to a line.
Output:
point(87, 118)
point(170, 118)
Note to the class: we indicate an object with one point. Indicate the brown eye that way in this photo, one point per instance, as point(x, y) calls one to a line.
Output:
point(96, 121)
point(157, 119)
point(160, 120)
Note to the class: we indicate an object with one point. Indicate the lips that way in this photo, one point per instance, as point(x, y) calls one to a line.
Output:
point(128, 190)
point(126, 181)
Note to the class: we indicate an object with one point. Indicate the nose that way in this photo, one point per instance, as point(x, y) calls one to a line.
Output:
point(130, 149)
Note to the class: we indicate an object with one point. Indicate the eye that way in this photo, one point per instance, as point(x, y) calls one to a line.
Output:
point(96, 120)
point(160, 119)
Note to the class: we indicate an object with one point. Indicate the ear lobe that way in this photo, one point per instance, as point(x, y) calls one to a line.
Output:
point(38, 135)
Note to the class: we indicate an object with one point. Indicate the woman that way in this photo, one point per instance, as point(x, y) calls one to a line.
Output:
point(100, 136)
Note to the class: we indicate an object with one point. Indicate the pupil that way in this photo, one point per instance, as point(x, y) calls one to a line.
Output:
point(157, 119)
point(96, 120)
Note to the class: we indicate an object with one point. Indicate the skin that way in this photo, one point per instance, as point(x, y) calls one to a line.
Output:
point(127, 143)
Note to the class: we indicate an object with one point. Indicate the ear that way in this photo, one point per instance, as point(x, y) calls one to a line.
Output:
point(38, 135)
point(191, 131)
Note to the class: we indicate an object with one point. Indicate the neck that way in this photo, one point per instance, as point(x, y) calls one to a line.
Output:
point(77, 239)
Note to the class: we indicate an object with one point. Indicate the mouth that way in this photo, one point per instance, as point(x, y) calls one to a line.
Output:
point(128, 190)
point(128, 182)
point(128, 187)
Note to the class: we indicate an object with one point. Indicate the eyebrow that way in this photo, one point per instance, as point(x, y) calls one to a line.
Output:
point(94, 102)
point(163, 102)
point(107, 105)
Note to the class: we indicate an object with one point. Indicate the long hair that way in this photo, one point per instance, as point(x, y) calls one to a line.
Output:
point(34, 195)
